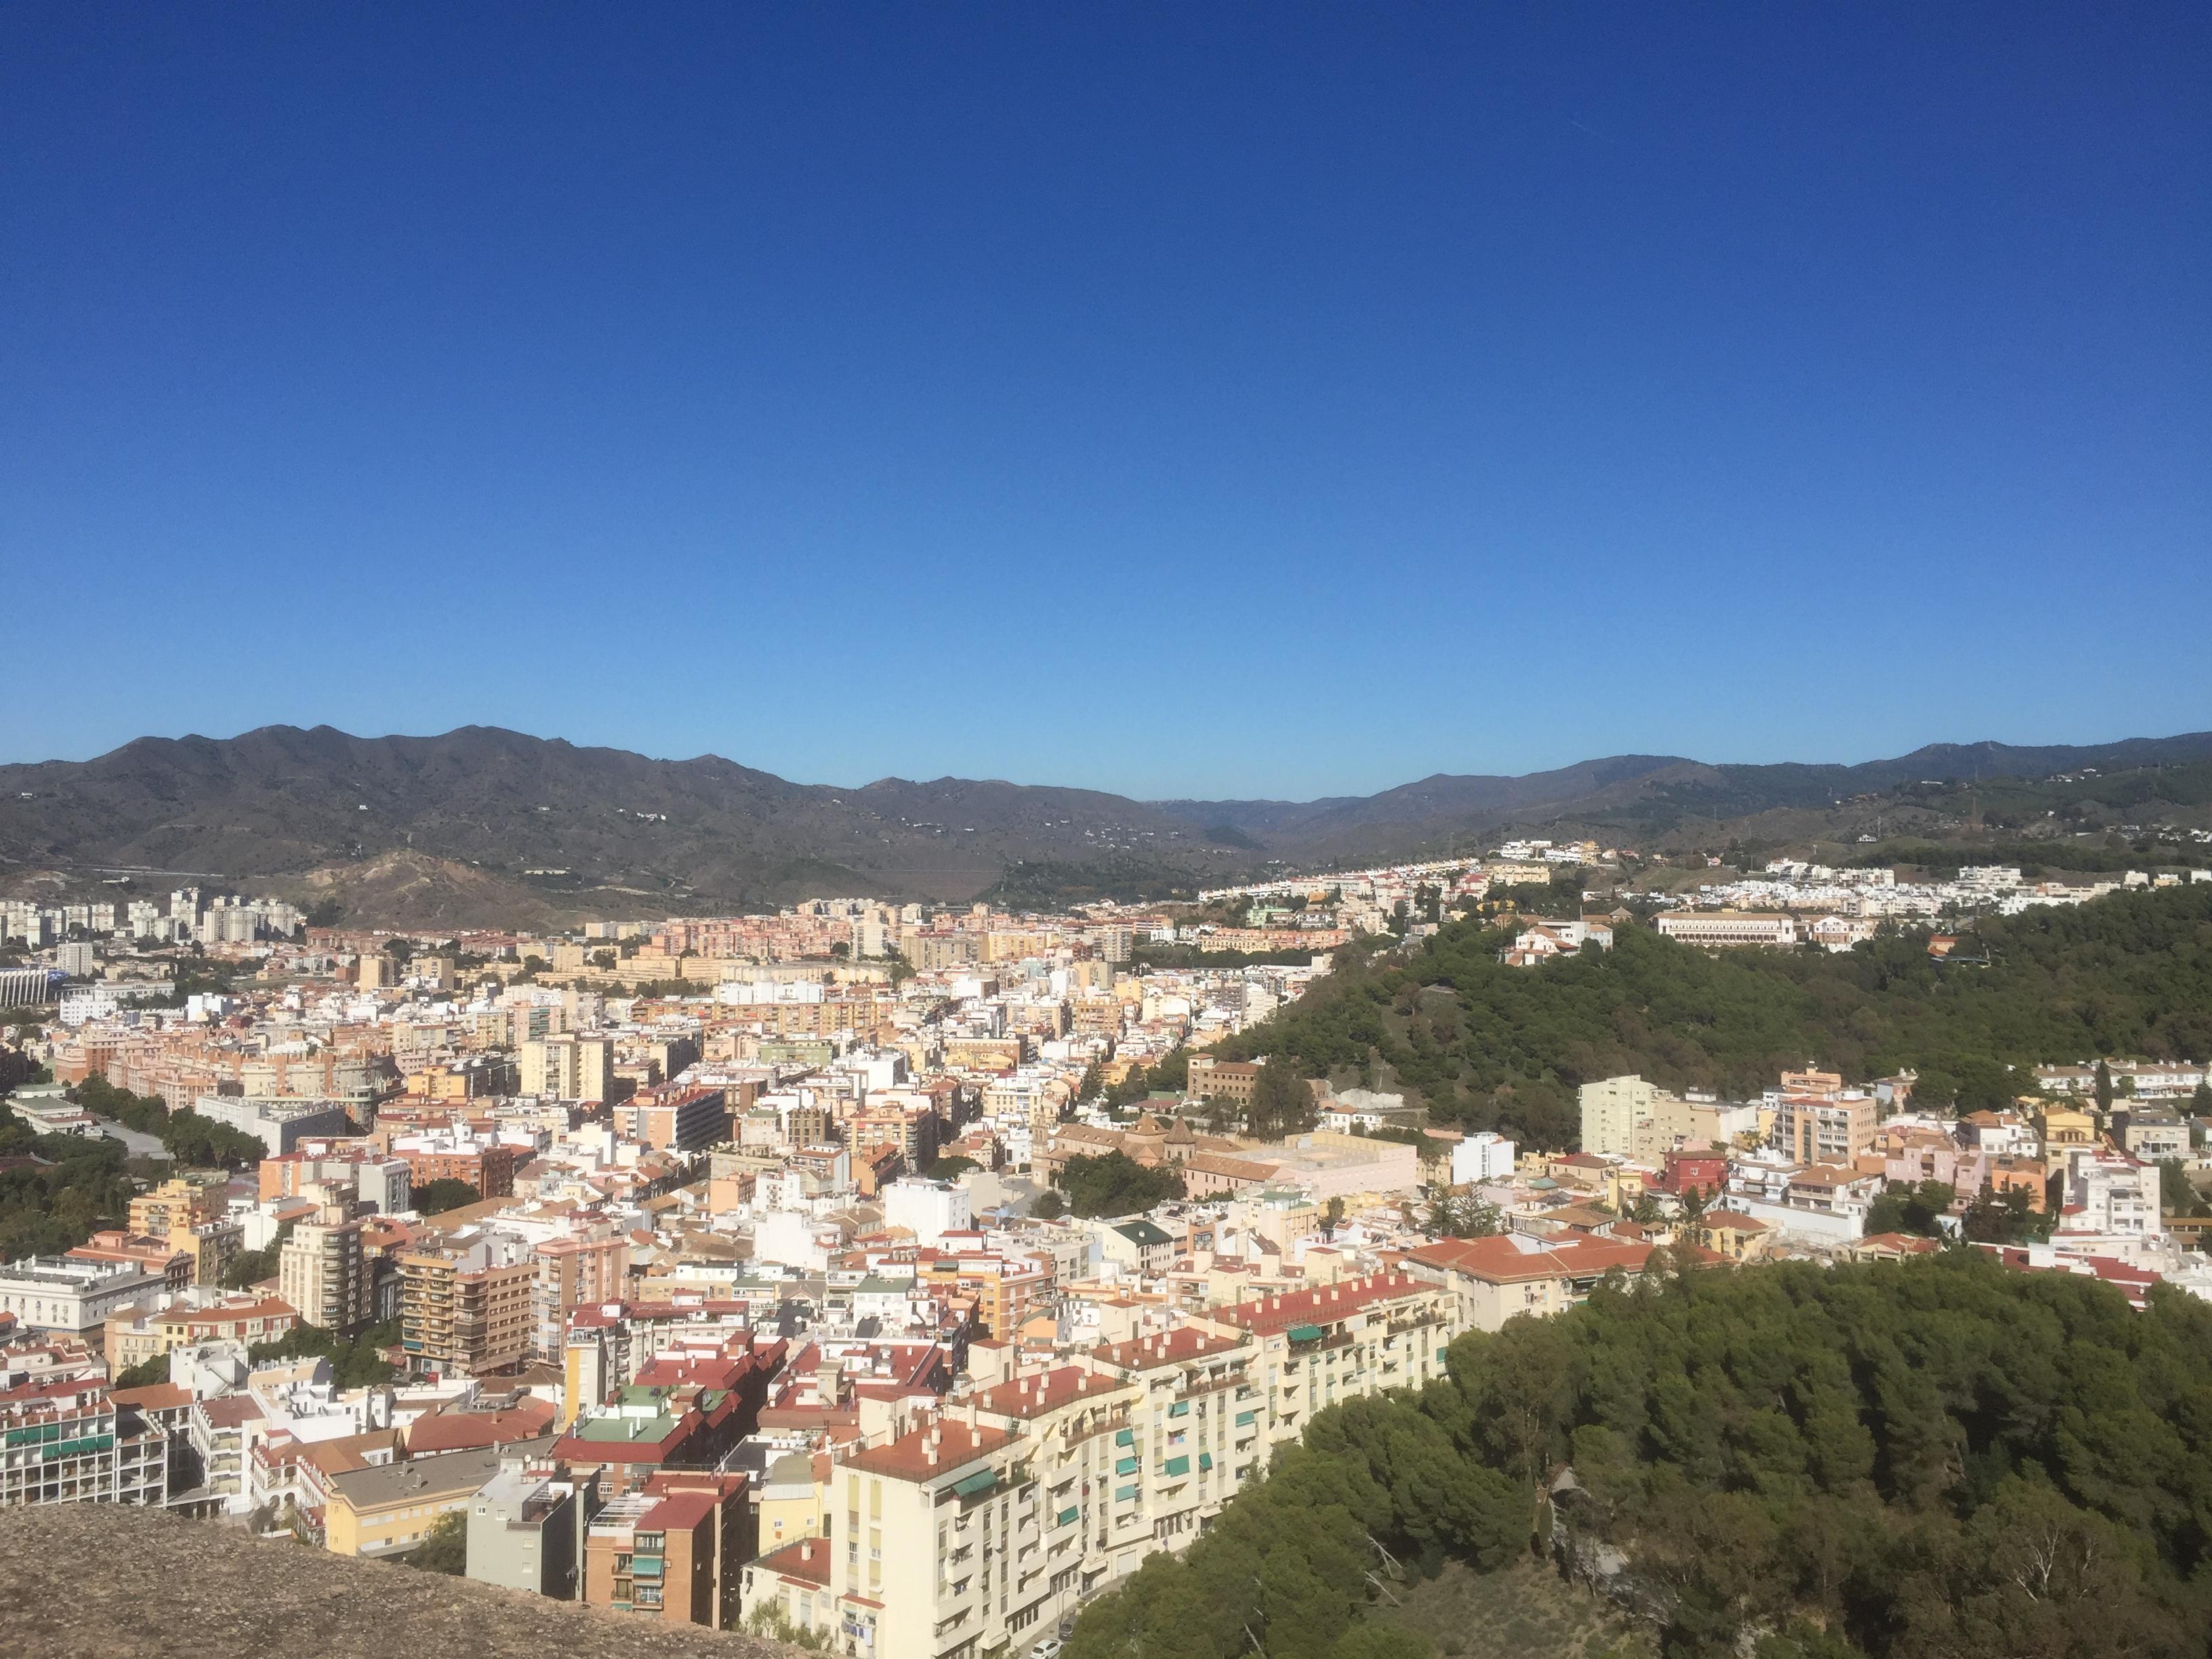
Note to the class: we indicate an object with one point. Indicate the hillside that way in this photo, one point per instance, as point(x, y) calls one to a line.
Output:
point(1494, 1047)
point(87, 1581)
point(600, 828)
point(491, 825)
point(1939, 1460)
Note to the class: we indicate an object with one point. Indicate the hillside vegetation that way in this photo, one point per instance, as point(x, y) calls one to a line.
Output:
point(1942, 1460)
point(481, 826)
point(1493, 1047)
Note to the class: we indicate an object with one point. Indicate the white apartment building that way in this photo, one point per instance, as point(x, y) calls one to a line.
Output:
point(975, 1532)
point(72, 1298)
point(928, 1209)
point(1483, 1156)
point(1614, 1110)
point(2110, 1194)
point(1721, 928)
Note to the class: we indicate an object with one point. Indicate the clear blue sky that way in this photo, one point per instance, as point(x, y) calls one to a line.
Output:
point(1178, 399)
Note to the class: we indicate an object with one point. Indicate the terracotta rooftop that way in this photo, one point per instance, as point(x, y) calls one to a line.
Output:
point(1500, 1260)
point(1043, 1391)
point(945, 1445)
point(1173, 1347)
point(806, 1561)
point(1319, 1305)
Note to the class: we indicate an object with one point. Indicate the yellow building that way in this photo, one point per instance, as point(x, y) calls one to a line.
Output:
point(175, 1203)
point(389, 1508)
point(2063, 1129)
point(794, 1500)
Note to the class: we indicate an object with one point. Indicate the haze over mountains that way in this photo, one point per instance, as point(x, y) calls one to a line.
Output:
point(481, 820)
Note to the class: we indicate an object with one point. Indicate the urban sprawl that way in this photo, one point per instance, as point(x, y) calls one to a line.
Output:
point(899, 1274)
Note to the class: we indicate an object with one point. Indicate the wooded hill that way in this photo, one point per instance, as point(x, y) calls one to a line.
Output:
point(1490, 1046)
point(485, 827)
point(1938, 1459)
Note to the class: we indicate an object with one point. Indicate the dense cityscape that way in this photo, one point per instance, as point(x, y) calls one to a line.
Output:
point(635, 1264)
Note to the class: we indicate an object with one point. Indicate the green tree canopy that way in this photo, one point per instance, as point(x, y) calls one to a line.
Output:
point(1114, 1184)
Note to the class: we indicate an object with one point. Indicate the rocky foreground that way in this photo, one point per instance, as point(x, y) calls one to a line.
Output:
point(85, 1581)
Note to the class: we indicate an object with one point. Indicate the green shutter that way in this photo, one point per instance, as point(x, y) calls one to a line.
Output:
point(1068, 1515)
point(1245, 1420)
point(1178, 1465)
point(1206, 1459)
point(976, 1485)
point(1123, 1494)
point(1126, 1466)
point(1181, 1408)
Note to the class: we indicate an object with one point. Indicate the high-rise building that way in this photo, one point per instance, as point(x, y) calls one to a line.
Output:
point(467, 1308)
point(1817, 1129)
point(1612, 1110)
point(322, 1271)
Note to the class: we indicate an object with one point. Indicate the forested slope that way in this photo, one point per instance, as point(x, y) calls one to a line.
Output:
point(1941, 1460)
point(1493, 1047)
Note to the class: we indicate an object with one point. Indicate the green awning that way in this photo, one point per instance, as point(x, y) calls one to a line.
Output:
point(1126, 1466)
point(1068, 1515)
point(1123, 1494)
point(1206, 1459)
point(1305, 1333)
point(1178, 1465)
point(1181, 1408)
point(1124, 1437)
point(1245, 1420)
point(975, 1486)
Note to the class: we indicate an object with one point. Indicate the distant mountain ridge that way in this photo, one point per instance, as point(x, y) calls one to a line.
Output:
point(613, 831)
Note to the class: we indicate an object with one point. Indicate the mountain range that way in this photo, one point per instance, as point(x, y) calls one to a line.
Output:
point(482, 824)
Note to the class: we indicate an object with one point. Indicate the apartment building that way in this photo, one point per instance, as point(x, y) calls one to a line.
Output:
point(175, 1204)
point(389, 1508)
point(1492, 1280)
point(72, 1297)
point(567, 1066)
point(1723, 928)
point(323, 1271)
point(65, 1440)
point(1194, 1437)
point(527, 1527)
point(672, 1551)
point(1008, 1290)
point(1614, 1111)
point(932, 1532)
point(486, 1165)
point(572, 1274)
point(979, 1529)
point(466, 1309)
point(1358, 1336)
point(1826, 1129)
point(377, 1182)
point(673, 1117)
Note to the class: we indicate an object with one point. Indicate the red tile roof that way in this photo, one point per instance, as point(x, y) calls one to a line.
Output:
point(1144, 1353)
point(1320, 1304)
point(806, 1561)
point(1500, 1260)
point(909, 1457)
point(1043, 1391)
